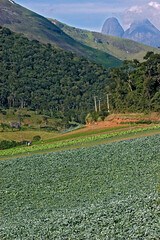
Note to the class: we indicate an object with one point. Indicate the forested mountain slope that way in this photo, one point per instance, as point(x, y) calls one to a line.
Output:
point(40, 76)
point(121, 48)
point(136, 86)
point(34, 26)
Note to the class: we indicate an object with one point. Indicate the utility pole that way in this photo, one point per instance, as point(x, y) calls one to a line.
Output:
point(108, 101)
point(99, 104)
point(95, 103)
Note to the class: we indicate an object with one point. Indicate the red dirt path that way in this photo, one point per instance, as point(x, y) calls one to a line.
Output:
point(115, 120)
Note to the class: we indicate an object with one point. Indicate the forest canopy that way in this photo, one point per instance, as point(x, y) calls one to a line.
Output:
point(135, 87)
point(39, 76)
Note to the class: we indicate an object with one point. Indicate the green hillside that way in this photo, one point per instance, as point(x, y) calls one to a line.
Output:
point(34, 26)
point(123, 49)
point(45, 78)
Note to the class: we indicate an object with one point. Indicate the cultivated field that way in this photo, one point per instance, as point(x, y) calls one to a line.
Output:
point(79, 140)
point(101, 192)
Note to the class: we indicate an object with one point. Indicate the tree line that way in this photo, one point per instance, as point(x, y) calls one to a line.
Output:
point(44, 78)
point(136, 86)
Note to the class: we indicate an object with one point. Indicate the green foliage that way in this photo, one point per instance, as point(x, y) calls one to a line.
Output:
point(144, 122)
point(45, 119)
point(27, 115)
point(7, 144)
point(36, 138)
point(3, 111)
point(135, 87)
point(91, 117)
point(103, 192)
point(72, 142)
point(140, 122)
point(5, 126)
point(96, 116)
point(48, 79)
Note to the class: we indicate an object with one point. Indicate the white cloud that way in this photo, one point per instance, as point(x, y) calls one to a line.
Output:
point(150, 10)
point(135, 9)
point(154, 4)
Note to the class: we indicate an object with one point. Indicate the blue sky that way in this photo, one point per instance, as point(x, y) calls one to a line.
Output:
point(91, 14)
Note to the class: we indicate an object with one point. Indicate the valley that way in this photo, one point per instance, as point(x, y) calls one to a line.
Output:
point(79, 128)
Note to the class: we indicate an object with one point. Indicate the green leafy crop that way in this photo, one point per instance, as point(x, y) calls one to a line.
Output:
point(101, 192)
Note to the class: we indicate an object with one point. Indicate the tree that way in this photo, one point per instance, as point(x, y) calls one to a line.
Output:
point(39, 122)
point(42, 77)
point(45, 119)
point(135, 86)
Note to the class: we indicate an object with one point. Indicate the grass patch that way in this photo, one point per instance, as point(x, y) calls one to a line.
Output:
point(19, 136)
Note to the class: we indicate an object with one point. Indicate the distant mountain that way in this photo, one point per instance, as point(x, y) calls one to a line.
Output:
point(112, 27)
point(145, 32)
point(34, 26)
point(123, 49)
point(142, 31)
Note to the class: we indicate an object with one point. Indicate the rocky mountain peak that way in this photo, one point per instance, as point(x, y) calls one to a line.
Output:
point(143, 31)
point(112, 27)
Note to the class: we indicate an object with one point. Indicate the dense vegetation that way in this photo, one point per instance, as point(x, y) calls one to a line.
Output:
point(41, 77)
point(136, 86)
point(60, 84)
point(103, 192)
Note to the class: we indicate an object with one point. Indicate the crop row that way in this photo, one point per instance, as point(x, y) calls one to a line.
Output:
point(60, 144)
point(83, 134)
point(101, 192)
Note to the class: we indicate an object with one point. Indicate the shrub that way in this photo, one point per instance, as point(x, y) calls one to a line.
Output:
point(89, 118)
point(144, 122)
point(27, 115)
point(3, 112)
point(36, 138)
point(4, 126)
point(99, 119)
point(7, 144)
point(26, 125)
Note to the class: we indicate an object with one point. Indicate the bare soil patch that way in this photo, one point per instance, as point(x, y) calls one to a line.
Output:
point(115, 120)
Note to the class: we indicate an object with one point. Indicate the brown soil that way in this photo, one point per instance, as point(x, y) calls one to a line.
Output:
point(115, 120)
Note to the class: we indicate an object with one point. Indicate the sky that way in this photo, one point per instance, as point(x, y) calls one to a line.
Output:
point(91, 14)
